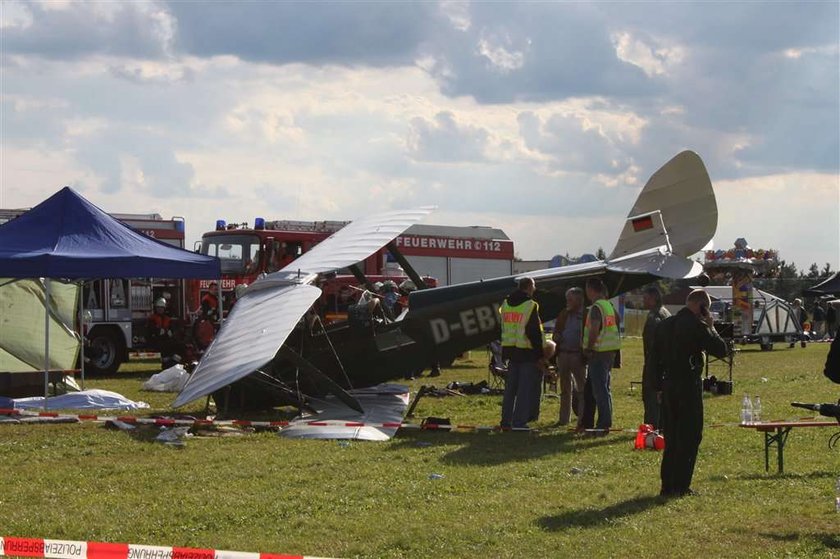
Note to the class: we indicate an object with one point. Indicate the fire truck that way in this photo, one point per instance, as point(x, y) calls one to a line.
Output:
point(118, 309)
point(447, 254)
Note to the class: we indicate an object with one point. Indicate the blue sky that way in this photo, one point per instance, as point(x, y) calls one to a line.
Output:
point(544, 119)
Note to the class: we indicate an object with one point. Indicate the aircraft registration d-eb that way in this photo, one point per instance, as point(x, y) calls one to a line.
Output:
point(270, 353)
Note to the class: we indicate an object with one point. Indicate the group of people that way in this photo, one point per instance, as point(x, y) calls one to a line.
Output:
point(586, 346)
point(823, 320)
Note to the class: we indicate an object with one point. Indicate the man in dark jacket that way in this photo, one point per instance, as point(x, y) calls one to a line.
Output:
point(522, 344)
point(680, 346)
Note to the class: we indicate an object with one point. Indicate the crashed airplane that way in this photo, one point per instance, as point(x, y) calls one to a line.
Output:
point(271, 352)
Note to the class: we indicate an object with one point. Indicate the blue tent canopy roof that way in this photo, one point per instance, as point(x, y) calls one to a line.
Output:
point(65, 236)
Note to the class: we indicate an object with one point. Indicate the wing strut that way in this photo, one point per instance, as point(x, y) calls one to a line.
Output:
point(405, 265)
point(361, 277)
point(320, 377)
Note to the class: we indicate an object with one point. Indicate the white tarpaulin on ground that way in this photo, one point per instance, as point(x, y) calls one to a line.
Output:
point(172, 379)
point(84, 400)
point(22, 324)
point(385, 403)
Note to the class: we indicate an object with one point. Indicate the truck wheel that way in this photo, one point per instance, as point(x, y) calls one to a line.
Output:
point(106, 353)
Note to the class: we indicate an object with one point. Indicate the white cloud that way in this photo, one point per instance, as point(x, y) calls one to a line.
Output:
point(824, 50)
point(501, 56)
point(14, 14)
point(653, 60)
point(457, 12)
point(445, 140)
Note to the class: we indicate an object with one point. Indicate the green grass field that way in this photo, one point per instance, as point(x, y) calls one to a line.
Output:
point(547, 494)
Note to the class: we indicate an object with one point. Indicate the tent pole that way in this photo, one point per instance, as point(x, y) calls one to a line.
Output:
point(82, 330)
point(46, 341)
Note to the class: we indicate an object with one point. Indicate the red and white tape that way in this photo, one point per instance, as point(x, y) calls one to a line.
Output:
point(64, 549)
point(170, 422)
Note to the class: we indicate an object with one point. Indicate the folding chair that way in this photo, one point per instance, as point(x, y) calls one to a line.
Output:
point(497, 368)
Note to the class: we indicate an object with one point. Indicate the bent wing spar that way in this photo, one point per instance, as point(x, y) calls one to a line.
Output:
point(272, 307)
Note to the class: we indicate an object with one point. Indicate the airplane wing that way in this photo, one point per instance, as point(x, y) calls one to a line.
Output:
point(250, 337)
point(264, 317)
point(354, 242)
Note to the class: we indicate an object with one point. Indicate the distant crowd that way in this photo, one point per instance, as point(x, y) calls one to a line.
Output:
point(823, 320)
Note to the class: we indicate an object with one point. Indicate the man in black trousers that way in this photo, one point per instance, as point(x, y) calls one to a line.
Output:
point(680, 346)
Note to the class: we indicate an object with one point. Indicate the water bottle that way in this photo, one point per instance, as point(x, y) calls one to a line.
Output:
point(756, 412)
point(746, 410)
point(837, 496)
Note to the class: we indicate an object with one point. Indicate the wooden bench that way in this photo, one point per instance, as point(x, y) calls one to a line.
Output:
point(776, 432)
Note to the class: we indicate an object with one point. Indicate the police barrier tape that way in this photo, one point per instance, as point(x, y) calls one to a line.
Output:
point(171, 422)
point(63, 549)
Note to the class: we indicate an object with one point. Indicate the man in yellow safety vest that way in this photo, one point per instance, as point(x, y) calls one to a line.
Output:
point(522, 345)
point(601, 341)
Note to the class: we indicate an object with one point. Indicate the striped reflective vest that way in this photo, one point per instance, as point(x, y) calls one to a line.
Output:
point(609, 338)
point(514, 320)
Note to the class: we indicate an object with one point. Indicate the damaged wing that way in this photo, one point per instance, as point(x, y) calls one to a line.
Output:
point(353, 243)
point(250, 337)
point(264, 317)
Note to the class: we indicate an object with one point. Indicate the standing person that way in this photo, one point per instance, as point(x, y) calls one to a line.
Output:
point(159, 333)
point(568, 333)
point(601, 341)
point(210, 302)
point(522, 345)
point(652, 300)
point(818, 320)
point(801, 317)
point(831, 319)
point(680, 347)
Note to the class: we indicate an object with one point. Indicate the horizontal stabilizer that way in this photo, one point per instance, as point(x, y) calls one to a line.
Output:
point(251, 336)
point(657, 264)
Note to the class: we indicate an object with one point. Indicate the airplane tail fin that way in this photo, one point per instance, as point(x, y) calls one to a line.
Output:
point(676, 211)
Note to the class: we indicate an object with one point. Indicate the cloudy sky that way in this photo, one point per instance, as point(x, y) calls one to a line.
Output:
point(544, 119)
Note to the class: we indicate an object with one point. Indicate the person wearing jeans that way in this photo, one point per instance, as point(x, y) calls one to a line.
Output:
point(601, 341)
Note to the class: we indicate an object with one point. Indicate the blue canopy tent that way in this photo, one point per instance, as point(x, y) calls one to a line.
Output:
point(67, 237)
